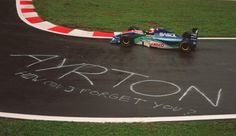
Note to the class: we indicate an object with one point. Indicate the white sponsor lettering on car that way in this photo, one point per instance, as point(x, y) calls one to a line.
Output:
point(167, 35)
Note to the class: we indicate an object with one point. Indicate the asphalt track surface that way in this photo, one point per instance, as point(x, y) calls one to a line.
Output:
point(48, 74)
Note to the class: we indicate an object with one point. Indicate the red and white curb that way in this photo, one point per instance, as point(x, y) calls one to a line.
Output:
point(28, 14)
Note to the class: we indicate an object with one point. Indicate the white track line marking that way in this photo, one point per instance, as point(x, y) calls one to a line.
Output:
point(115, 120)
point(217, 38)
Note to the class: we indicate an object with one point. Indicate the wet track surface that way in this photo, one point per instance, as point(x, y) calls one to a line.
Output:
point(48, 74)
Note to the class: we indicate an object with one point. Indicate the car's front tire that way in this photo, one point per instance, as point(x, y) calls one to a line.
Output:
point(126, 41)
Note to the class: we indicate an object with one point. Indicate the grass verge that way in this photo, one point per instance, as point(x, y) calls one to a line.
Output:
point(9, 127)
point(212, 17)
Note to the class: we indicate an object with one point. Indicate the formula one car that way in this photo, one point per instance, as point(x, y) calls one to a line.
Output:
point(158, 38)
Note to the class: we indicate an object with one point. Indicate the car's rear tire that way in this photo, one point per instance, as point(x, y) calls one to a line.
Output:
point(185, 47)
point(126, 41)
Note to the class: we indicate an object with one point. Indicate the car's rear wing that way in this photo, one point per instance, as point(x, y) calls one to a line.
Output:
point(194, 34)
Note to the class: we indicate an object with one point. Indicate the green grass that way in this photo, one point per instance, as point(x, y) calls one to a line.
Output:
point(10, 127)
point(212, 17)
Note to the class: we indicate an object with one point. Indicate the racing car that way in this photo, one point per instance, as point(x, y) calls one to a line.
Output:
point(158, 38)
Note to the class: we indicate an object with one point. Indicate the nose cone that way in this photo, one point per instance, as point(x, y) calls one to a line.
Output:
point(115, 39)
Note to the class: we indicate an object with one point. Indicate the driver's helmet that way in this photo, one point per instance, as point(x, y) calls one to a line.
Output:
point(151, 31)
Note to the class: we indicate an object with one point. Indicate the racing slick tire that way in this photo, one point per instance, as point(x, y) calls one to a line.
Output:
point(185, 47)
point(126, 41)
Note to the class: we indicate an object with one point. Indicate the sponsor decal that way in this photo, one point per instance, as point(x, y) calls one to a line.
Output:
point(167, 35)
point(157, 45)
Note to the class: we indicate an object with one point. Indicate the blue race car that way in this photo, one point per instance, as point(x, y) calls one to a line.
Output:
point(158, 38)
